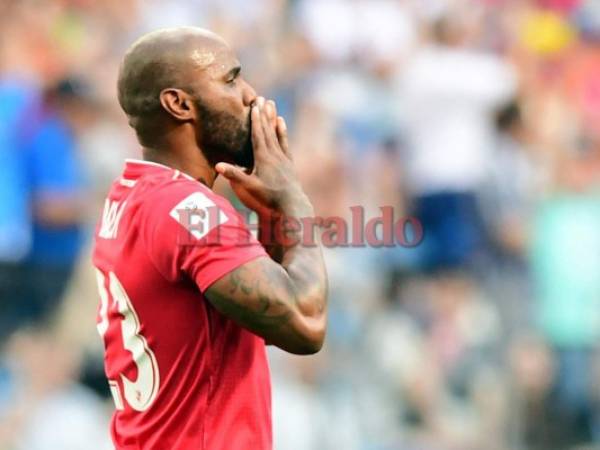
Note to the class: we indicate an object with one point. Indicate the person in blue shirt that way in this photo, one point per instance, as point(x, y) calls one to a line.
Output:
point(56, 183)
point(15, 220)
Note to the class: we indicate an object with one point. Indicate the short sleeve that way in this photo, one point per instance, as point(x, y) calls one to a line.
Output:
point(189, 230)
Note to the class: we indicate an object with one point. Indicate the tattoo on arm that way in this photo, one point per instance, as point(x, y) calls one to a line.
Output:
point(257, 299)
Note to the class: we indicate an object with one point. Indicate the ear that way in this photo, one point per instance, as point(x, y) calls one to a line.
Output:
point(178, 104)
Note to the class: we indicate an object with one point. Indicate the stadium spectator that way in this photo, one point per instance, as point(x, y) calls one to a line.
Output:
point(15, 220)
point(55, 181)
point(565, 255)
point(451, 91)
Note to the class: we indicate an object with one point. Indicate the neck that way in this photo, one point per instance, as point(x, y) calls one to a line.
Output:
point(190, 161)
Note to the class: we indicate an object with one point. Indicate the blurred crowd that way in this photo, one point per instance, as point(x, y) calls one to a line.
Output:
point(481, 118)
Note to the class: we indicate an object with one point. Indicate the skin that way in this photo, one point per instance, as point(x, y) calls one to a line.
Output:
point(183, 93)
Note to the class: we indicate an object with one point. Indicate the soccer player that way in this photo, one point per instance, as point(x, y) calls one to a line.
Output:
point(188, 297)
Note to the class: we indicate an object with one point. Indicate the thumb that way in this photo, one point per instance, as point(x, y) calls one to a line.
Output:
point(231, 172)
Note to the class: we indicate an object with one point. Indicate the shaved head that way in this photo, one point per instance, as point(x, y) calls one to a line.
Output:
point(167, 73)
point(160, 60)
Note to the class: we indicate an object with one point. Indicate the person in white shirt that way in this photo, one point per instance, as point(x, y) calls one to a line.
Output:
point(450, 92)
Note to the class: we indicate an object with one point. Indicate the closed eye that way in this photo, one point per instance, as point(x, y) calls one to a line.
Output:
point(233, 74)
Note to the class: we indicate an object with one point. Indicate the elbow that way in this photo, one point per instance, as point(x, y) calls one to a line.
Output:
point(312, 337)
point(307, 327)
point(310, 348)
point(307, 347)
point(304, 347)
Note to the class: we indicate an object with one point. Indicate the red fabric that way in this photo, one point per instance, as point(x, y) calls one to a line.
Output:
point(212, 380)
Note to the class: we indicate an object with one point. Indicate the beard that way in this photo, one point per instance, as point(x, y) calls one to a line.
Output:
point(225, 138)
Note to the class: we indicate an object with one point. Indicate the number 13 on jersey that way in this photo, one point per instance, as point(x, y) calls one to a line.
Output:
point(140, 393)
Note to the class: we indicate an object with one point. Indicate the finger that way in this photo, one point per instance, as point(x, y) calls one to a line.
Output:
point(258, 135)
point(272, 112)
point(232, 173)
point(282, 136)
point(268, 128)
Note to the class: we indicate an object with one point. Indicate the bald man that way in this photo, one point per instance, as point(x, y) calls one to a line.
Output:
point(188, 296)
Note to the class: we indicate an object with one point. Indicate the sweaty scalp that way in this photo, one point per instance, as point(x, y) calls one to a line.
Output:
point(159, 60)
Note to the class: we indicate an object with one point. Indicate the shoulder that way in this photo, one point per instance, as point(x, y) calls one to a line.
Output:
point(187, 227)
point(172, 201)
point(172, 190)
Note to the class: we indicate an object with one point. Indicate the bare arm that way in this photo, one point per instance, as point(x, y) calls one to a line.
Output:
point(283, 300)
point(262, 297)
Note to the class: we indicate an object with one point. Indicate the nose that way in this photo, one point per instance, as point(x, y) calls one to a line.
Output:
point(249, 94)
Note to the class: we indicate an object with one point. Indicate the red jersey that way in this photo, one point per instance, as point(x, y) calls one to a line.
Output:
point(183, 376)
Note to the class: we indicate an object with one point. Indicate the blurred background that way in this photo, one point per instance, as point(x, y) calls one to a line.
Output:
point(480, 118)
